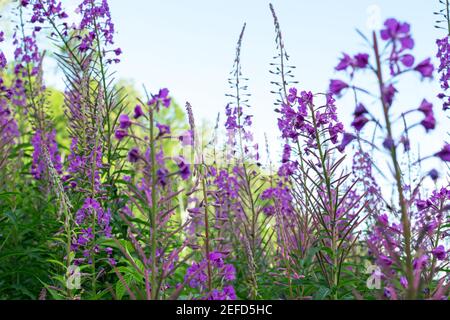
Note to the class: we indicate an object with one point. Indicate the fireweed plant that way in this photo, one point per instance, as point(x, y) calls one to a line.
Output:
point(107, 194)
point(407, 237)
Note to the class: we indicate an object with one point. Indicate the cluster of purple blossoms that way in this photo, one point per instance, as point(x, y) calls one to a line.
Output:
point(429, 123)
point(367, 184)
point(158, 100)
point(359, 61)
point(85, 240)
point(227, 183)
point(443, 55)
point(27, 59)
point(238, 125)
point(8, 126)
point(282, 200)
point(3, 60)
point(399, 39)
point(45, 9)
point(399, 34)
point(197, 277)
point(299, 117)
point(82, 166)
point(39, 141)
point(134, 155)
point(385, 246)
point(96, 18)
point(399, 42)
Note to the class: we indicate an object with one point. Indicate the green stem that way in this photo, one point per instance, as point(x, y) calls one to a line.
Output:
point(448, 15)
point(331, 211)
point(398, 176)
point(154, 208)
point(207, 248)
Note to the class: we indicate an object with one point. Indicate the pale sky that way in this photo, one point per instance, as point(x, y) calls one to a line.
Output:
point(189, 47)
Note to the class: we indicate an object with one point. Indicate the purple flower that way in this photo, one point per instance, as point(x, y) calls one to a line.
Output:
point(287, 169)
point(434, 174)
point(397, 31)
point(95, 16)
point(359, 61)
point(420, 263)
point(40, 141)
point(229, 272)
point(359, 122)
point(336, 86)
point(124, 121)
point(444, 70)
point(389, 143)
point(444, 154)
point(406, 143)
point(162, 174)
point(425, 68)
point(286, 153)
point(161, 98)
point(383, 220)
point(404, 282)
point(138, 112)
point(120, 134)
point(163, 129)
point(385, 261)
point(389, 94)
point(439, 252)
point(360, 110)
point(426, 107)
point(422, 205)
point(187, 138)
point(334, 131)
point(346, 140)
point(429, 123)
point(185, 171)
point(133, 155)
point(407, 60)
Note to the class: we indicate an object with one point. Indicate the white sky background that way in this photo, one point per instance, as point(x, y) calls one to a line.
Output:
point(189, 47)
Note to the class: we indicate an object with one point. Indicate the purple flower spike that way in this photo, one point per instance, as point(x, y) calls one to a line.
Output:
point(286, 153)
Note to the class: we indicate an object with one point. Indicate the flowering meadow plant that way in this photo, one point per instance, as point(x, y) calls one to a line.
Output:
point(106, 193)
